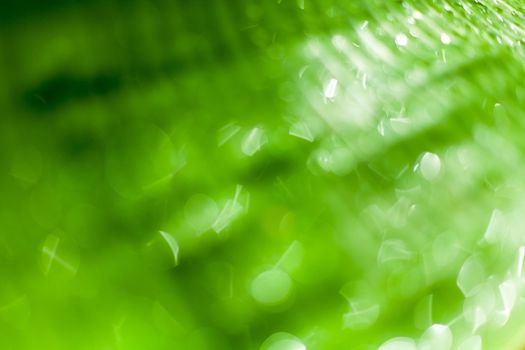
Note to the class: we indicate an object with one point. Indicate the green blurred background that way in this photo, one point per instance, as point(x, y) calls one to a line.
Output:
point(236, 174)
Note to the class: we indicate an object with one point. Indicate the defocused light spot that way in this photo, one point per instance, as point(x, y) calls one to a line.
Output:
point(302, 71)
point(497, 227)
point(200, 212)
point(229, 212)
point(330, 89)
point(313, 47)
point(359, 318)
point(341, 161)
point(471, 343)
point(445, 38)
point(423, 312)
point(319, 162)
point(49, 252)
point(253, 141)
point(400, 343)
point(445, 249)
point(430, 166)
point(508, 294)
point(393, 250)
point(401, 39)
point(339, 42)
point(400, 212)
point(364, 81)
point(471, 276)
point(292, 257)
point(50, 256)
point(302, 131)
point(227, 132)
point(417, 15)
point(174, 246)
point(478, 308)
point(476, 316)
point(500, 115)
point(283, 341)
point(400, 125)
point(381, 128)
point(437, 337)
point(521, 260)
point(271, 287)
point(406, 281)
